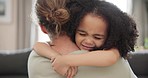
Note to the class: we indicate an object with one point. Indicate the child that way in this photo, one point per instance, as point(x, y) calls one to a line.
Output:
point(105, 29)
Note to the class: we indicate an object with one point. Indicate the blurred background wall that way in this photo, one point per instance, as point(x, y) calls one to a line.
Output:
point(16, 33)
point(22, 33)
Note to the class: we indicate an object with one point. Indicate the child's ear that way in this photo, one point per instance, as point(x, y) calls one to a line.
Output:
point(44, 29)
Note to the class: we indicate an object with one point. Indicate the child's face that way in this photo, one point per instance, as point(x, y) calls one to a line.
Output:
point(91, 33)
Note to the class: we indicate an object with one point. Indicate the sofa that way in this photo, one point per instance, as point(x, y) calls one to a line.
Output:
point(13, 64)
point(139, 63)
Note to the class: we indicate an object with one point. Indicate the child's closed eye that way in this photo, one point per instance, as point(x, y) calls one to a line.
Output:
point(97, 38)
point(82, 34)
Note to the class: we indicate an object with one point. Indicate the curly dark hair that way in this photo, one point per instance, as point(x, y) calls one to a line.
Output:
point(122, 32)
point(76, 10)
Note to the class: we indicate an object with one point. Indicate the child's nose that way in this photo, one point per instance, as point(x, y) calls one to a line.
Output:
point(88, 41)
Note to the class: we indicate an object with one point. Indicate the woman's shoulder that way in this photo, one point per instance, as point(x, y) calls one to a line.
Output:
point(35, 57)
point(121, 69)
point(40, 67)
point(78, 52)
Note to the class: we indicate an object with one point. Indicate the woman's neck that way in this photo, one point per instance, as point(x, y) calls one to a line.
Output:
point(64, 45)
point(60, 38)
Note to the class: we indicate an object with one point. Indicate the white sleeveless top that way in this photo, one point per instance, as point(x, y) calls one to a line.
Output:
point(40, 67)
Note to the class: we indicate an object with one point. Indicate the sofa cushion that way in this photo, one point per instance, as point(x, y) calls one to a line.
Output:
point(139, 63)
point(14, 62)
point(13, 76)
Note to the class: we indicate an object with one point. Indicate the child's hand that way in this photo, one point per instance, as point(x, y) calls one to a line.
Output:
point(59, 66)
point(71, 72)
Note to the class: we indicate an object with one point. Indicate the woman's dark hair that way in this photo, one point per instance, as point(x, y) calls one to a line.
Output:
point(122, 32)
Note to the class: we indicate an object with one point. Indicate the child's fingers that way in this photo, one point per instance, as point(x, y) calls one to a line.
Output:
point(68, 72)
point(76, 70)
point(59, 69)
point(72, 72)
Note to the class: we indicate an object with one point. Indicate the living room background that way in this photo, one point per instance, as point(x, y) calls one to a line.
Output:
point(22, 33)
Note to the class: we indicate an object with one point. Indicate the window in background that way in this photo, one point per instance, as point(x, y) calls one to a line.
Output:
point(37, 34)
point(42, 36)
point(124, 5)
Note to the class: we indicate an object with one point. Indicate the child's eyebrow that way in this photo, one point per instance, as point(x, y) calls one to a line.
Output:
point(80, 30)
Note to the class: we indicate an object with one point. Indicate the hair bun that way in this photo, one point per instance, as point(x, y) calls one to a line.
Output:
point(61, 15)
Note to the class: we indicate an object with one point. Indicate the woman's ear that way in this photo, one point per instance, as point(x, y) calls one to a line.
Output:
point(44, 30)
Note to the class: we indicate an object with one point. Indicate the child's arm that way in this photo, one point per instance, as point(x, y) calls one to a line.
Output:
point(45, 50)
point(94, 58)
